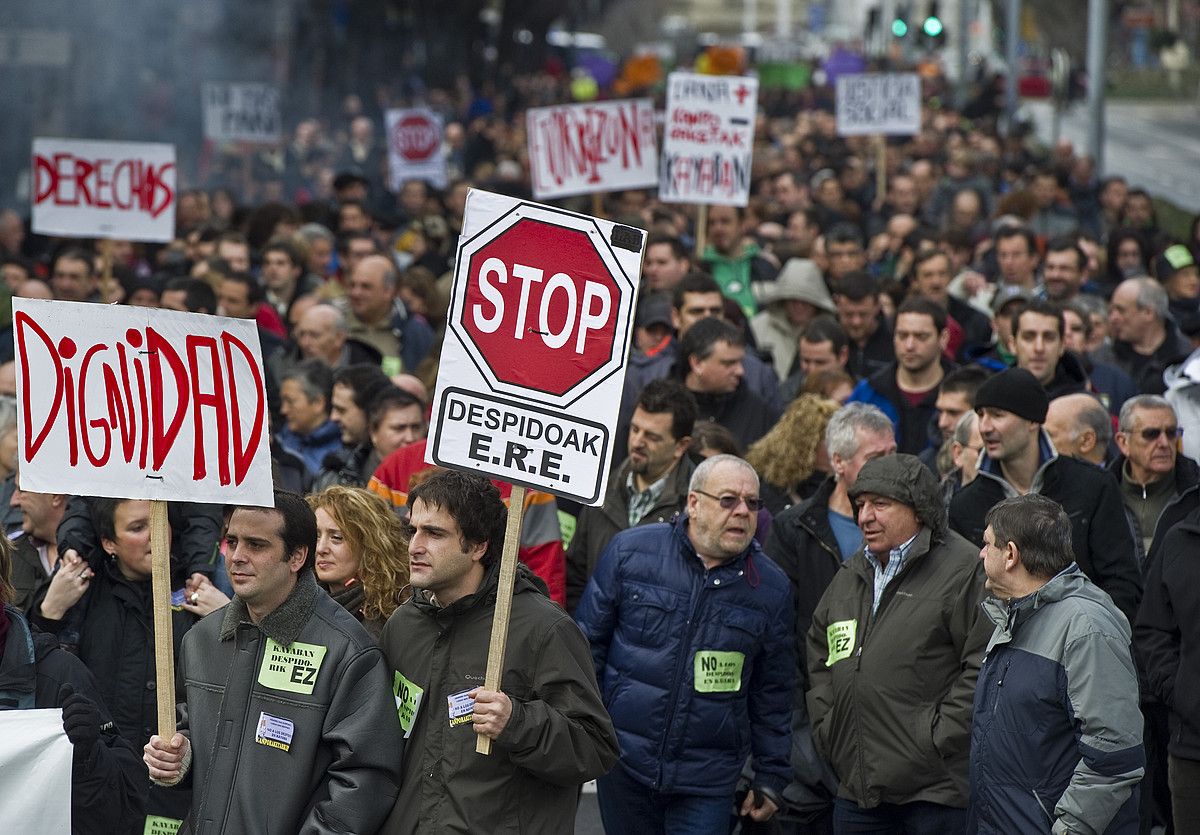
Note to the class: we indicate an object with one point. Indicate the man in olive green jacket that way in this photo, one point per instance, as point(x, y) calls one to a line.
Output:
point(893, 654)
point(549, 730)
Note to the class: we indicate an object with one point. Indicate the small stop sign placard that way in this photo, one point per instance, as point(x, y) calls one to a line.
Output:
point(416, 137)
point(539, 330)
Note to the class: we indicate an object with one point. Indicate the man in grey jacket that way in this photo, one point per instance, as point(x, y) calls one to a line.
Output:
point(288, 723)
point(1056, 736)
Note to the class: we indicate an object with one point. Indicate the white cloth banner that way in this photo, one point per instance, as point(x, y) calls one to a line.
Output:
point(35, 773)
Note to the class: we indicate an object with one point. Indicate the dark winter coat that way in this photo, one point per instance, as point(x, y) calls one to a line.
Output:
point(654, 615)
point(1100, 533)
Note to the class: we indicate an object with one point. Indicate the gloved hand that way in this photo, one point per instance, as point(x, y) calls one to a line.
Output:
point(81, 721)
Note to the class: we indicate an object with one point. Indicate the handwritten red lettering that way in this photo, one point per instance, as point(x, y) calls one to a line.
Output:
point(578, 141)
point(130, 413)
point(128, 184)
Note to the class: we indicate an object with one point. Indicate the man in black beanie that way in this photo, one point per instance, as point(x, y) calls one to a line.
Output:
point(1018, 458)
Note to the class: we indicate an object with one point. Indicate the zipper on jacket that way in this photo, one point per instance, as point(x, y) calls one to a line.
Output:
point(1042, 806)
point(679, 667)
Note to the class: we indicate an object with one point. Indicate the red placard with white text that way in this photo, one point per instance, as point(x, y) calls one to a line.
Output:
point(586, 148)
point(89, 189)
point(137, 403)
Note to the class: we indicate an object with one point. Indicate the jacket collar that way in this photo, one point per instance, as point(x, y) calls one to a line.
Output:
point(1047, 455)
point(282, 625)
point(916, 552)
point(1008, 615)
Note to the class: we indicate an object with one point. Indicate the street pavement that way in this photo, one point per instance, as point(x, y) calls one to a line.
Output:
point(1154, 145)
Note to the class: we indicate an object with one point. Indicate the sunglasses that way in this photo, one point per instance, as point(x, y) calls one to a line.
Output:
point(729, 502)
point(1151, 433)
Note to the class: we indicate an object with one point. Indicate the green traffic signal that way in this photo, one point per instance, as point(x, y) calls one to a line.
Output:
point(899, 28)
point(932, 27)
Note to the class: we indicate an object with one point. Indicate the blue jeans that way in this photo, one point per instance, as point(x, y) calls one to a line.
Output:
point(918, 818)
point(629, 808)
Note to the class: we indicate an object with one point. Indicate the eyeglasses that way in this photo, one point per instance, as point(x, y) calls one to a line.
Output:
point(729, 502)
point(1151, 433)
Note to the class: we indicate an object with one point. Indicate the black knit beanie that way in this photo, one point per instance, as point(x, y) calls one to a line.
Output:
point(1014, 390)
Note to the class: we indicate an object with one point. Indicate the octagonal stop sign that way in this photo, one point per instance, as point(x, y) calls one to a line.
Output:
point(546, 304)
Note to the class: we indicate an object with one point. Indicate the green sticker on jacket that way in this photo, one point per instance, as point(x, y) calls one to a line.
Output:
point(156, 825)
point(408, 702)
point(293, 668)
point(840, 637)
point(718, 672)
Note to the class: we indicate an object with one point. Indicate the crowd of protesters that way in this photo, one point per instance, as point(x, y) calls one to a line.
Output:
point(897, 537)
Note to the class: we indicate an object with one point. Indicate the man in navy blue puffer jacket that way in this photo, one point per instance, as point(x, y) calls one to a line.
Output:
point(690, 626)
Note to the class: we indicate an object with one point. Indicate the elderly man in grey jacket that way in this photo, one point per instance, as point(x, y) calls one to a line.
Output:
point(289, 724)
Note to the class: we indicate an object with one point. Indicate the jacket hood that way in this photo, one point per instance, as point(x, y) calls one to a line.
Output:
point(905, 479)
point(800, 280)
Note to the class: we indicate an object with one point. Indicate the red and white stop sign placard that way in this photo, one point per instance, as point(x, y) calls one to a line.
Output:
point(538, 336)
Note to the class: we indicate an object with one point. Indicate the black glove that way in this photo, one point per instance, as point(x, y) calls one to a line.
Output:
point(81, 719)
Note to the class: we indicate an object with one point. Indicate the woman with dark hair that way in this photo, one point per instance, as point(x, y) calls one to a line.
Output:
point(102, 610)
point(362, 554)
point(107, 776)
point(1128, 256)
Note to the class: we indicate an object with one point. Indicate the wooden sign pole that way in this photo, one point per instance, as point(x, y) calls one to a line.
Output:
point(106, 270)
point(504, 596)
point(164, 645)
point(880, 169)
point(597, 204)
point(701, 230)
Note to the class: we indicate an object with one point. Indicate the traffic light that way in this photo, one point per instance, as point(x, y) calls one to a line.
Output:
point(933, 30)
point(900, 23)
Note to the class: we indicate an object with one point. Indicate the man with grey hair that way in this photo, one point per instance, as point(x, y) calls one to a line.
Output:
point(1079, 426)
point(319, 243)
point(893, 653)
point(811, 541)
point(965, 446)
point(306, 396)
point(375, 316)
point(322, 334)
point(1056, 736)
point(691, 634)
point(1158, 485)
point(1144, 338)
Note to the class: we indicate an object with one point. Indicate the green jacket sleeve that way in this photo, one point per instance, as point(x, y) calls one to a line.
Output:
point(970, 631)
point(562, 734)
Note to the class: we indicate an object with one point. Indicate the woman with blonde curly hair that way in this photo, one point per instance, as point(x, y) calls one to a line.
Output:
point(362, 553)
point(791, 459)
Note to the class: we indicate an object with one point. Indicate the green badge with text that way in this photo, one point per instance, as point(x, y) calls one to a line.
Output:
point(408, 702)
point(840, 637)
point(293, 668)
point(718, 672)
point(156, 825)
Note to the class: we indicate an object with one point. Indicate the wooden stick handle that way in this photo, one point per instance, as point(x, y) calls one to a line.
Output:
point(164, 645)
point(597, 204)
point(880, 169)
point(701, 229)
point(504, 596)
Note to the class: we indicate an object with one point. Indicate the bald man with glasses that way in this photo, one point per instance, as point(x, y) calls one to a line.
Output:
point(691, 634)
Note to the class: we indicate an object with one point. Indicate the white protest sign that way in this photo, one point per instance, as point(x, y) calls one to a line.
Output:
point(138, 403)
point(887, 104)
point(586, 148)
point(537, 341)
point(708, 139)
point(35, 773)
point(88, 189)
point(243, 112)
point(414, 140)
